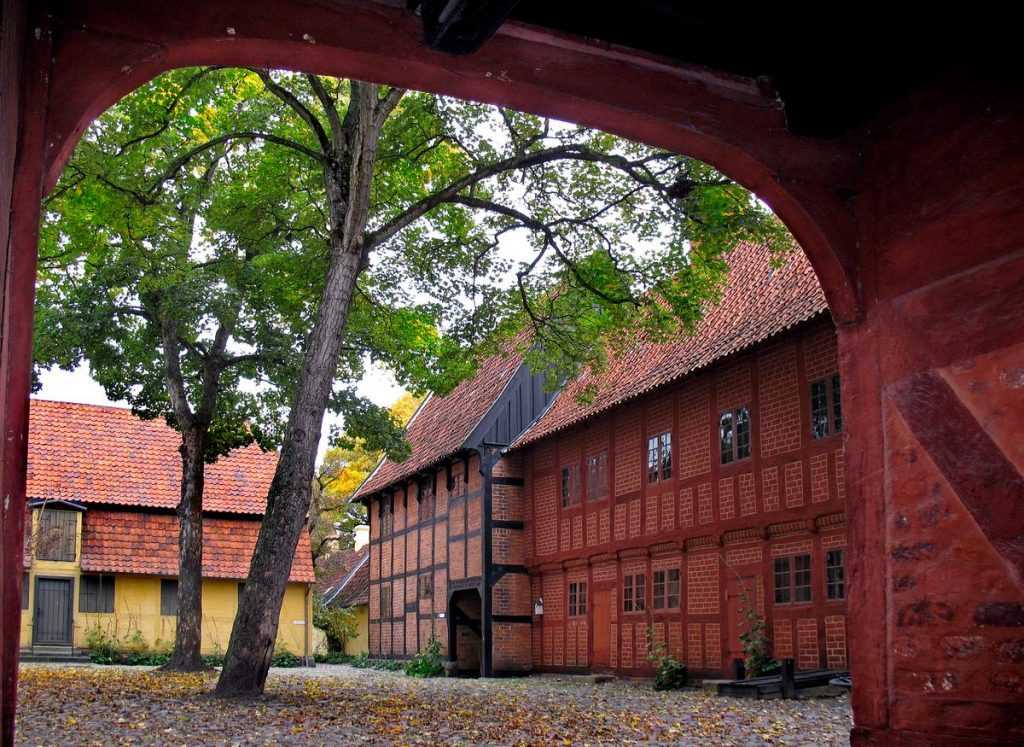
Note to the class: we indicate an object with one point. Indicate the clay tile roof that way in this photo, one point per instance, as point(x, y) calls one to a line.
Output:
point(331, 569)
point(442, 424)
point(354, 587)
point(93, 454)
point(759, 301)
point(147, 543)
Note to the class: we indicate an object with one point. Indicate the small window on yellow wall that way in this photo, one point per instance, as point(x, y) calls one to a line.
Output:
point(96, 594)
point(169, 596)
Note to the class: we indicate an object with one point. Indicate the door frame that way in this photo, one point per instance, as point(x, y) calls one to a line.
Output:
point(612, 592)
point(71, 611)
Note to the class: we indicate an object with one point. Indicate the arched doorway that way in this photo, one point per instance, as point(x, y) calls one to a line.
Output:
point(923, 273)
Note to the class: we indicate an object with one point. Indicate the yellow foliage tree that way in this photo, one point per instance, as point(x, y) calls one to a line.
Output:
point(332, 517)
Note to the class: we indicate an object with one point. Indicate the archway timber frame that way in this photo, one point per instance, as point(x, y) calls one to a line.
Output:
point(904, 257)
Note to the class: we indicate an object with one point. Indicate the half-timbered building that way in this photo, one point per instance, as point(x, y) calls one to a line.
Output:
point(703, 485)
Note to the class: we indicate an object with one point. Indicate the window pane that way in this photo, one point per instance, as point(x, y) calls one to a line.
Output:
point(725, 436)
point(168, 596)
point(565, 486)
point(742, 433)
point(819, 410)
point(582, 598)
point(87, 593)
point(572, 600)
point(673, 588)
point(652, 459)
point(835, 575)
point(659, 590)
point(640, 599)
point(627, 593)
point(837, 409)
point(107, 603)
point(781, 568)
point(597, 476)
point(666, 456)
point(802, 579)
point(426, 501)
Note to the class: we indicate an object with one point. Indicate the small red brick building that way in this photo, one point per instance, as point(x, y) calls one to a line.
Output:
point(530, 532)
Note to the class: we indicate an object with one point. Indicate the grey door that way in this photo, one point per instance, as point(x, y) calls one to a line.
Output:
point(52, 621)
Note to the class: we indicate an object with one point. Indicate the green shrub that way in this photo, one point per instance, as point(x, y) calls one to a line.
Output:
point(285, 658)
point(339, 625)
point(363, 661)
point(333, 657)
point(669, 673)
point(757, 646)
point(427, 663)
point(103, 648)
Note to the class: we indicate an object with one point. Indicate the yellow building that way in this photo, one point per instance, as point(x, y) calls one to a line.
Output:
point(349, 588)
point(101, 540)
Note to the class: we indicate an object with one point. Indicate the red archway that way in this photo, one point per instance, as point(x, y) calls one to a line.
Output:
point(923, 272)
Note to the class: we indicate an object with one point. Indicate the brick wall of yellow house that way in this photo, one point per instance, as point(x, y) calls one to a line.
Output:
point(137, 608)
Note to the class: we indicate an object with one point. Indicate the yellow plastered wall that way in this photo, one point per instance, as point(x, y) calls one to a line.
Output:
point(360, 644)
point(136, 617)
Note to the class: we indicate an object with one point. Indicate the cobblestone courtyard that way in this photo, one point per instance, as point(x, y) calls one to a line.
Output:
point(342, 705)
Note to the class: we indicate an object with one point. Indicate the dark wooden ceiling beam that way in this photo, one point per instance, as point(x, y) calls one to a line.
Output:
point(461, 26)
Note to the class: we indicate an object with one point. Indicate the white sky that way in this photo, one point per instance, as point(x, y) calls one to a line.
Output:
point(378, 385)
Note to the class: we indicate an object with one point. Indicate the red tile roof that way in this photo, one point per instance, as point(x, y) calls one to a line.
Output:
point(332, 568)
point(147, 543)
point(758, 302)
point(352, 587)
point(442, 424)
point(93, 454)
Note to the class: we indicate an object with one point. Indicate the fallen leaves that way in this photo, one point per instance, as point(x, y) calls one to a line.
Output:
point(341, 705)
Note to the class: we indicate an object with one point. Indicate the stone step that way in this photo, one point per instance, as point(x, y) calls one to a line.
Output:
point(53, 655)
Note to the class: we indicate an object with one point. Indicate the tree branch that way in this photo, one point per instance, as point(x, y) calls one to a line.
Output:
point(570, 152)
point(297, 106)
point(178, 163)
point(337, 136)
point(387, 105)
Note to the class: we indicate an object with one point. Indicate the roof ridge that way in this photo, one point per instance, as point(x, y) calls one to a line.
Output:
point(86, 405)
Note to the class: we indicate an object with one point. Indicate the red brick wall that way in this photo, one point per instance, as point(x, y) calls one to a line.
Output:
point(436, 546)
point(784, 498)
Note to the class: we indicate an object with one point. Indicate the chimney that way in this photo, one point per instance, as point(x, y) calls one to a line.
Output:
point(362, 536)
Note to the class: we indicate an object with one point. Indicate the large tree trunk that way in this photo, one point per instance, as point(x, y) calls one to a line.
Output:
point(348, 193)
point(188, 637)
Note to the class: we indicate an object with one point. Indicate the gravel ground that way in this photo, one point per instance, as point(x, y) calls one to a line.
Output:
point(328, 704)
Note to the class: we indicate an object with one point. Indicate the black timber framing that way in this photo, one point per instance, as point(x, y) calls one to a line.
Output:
point(520, 403)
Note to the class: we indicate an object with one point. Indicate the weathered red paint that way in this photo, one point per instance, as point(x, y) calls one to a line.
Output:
point(922, 268)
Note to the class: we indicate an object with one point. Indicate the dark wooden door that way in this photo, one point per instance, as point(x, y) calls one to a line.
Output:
point(52, 621)
point(602, 628)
